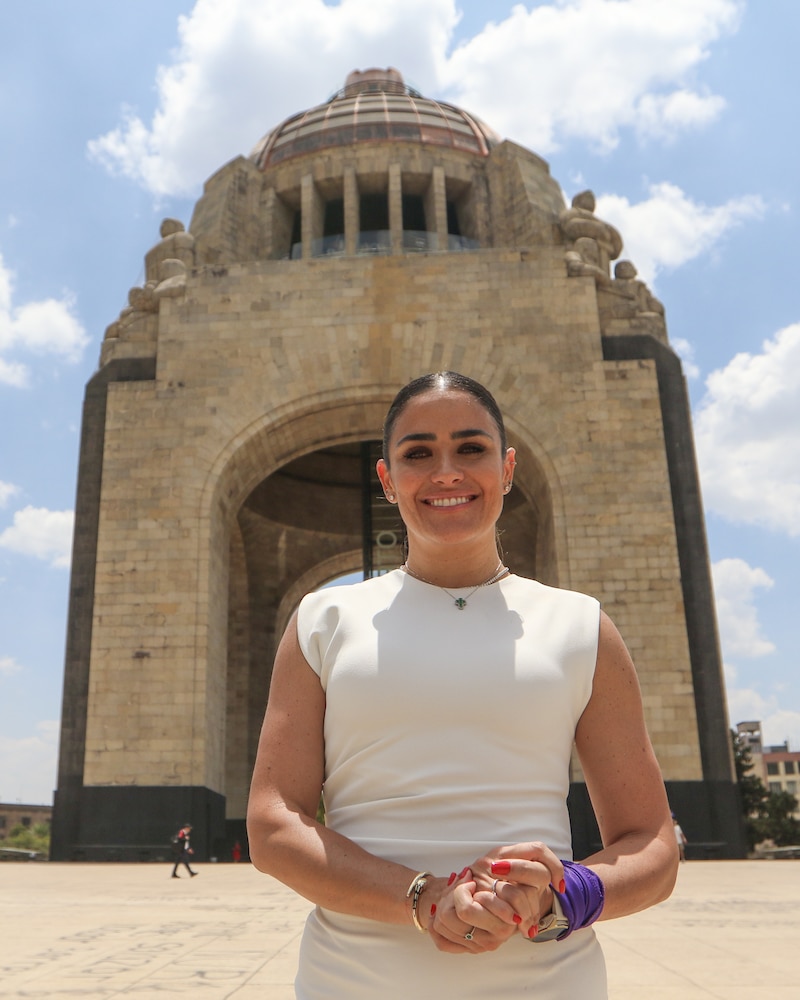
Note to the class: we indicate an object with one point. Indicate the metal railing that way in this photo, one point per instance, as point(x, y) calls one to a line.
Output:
point(379, 241)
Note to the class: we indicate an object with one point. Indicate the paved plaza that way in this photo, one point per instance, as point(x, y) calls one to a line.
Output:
point(108, 931)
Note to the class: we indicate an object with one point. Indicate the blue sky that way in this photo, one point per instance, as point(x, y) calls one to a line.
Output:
point(680, 116)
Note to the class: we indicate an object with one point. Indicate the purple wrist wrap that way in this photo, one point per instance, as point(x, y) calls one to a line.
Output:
point(582, 901)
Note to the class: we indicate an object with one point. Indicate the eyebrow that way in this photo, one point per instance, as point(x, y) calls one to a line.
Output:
point(455, 436)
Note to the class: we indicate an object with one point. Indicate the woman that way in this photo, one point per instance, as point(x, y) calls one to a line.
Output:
point(438, 706)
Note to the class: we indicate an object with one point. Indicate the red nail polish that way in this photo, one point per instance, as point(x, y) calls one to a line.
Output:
point(533, 931)
point(501, 867)
point(463, 872)
point(517, 918)
point(562, 886)
point(433, 909)
point(452, 878)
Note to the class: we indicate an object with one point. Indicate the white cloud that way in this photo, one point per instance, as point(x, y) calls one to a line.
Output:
point(8, 666)
point(735, 586)
point(13, 374)
point(778, 725)
point(670, 229)
point(685, 352)
point(44, 534)
point(28, 766)
point(48, 326)
point(7, 490)
point(588, 68)
point(747, 434)
point(571, 69)
point(662, 116)
point(745, 704)
point(243, 65)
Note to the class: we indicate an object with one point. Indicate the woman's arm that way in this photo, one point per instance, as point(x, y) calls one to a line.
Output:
point(286, 841)
point(639, 859)
point(639, 862)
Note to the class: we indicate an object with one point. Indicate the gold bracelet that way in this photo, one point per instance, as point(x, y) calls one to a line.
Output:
point(418, 883)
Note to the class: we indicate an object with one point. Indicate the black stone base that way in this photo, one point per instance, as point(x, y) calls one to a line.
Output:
point(136, 823)
point(709, 813)
point(235, 832)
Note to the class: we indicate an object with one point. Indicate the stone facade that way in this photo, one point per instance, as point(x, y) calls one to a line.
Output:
point(220, 474)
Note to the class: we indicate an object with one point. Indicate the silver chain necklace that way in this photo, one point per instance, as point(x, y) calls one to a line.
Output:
point(461, 602)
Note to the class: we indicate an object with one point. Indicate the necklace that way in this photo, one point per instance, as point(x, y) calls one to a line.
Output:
point(461, 602)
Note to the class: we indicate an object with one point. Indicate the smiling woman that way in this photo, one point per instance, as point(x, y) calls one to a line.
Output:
point(447, 467)
point(442, 744)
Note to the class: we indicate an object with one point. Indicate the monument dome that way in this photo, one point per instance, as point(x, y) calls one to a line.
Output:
point(374, 105)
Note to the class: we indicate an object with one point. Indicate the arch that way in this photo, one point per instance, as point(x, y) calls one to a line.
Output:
point(322, 573)
point(239, 542)
point(536, 476)
point(258, 451)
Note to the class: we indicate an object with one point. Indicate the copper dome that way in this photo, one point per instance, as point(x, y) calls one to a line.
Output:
point(374, 106)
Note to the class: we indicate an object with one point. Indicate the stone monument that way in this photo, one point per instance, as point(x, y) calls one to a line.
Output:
point(230, 434)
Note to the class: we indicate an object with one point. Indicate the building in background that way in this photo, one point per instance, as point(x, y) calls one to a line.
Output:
point(13, 814)
point(777, 766)
point(749, 734)
point(782, 770)
point(229, 440)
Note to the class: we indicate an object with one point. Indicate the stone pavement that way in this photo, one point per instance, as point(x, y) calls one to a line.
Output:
point(107, 931)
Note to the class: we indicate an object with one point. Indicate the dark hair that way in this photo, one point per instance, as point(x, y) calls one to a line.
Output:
point(442, 381)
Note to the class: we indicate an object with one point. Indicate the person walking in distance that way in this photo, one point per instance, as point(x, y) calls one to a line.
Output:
point(183, 850)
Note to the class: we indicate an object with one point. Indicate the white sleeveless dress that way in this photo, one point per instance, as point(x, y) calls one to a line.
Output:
point(447, 732)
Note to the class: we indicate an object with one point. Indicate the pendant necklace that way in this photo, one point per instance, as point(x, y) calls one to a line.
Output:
point(461, 602)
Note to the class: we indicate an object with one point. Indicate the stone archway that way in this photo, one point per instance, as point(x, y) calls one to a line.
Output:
point(298, 528)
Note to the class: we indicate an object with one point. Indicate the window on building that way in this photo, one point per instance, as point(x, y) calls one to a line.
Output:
point(791, 787)
point(772, 767)
point(775, 786)
point(789, 767)
point(453, 226)
point(413, 214)
point(297, 235)
point(374, 213)
point(334, 218)
point(26, 821)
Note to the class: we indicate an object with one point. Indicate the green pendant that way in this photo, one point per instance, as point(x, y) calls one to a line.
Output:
point(460, 603)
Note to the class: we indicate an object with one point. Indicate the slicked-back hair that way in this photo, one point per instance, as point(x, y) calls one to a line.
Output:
point(441, 381)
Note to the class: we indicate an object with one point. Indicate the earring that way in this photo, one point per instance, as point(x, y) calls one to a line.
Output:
point(507, 488)
point(390, 497)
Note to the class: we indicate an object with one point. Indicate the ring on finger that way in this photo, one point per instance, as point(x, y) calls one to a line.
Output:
point(470, 934)
point(494, 886)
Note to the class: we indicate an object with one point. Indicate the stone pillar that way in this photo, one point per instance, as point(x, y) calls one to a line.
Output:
point(396, 207)
point(278, 218)
point(352, 223)
point(313, 213)
point(436, 208)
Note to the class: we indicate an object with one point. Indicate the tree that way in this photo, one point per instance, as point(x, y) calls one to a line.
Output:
point(767, 815)
point(776, 821)
point(752, 790)
point(29, 838)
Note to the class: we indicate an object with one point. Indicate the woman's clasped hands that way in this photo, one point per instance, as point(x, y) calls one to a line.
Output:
point(505, 892)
